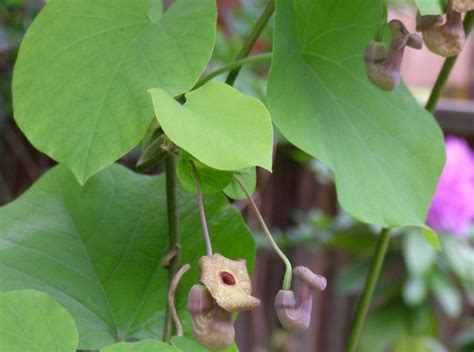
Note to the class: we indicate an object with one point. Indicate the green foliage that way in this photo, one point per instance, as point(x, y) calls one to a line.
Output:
point(385, 150)
point(186, 344)
point(32, 321)
point(97, 249)
point(143, 346)
point(249, 179)
point(431, 237)
point(446, 294)
point(211, 180)
point(84, 67)
point(431, 7)
point(218, 125)
point(419, 256)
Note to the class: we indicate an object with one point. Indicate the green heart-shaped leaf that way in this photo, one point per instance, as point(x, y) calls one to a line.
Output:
point(220, 126)
point(80, 83)
point(385, 150)
point(97, 249)
point(33, 321)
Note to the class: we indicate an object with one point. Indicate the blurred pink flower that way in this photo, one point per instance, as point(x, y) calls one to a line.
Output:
point(452, 208)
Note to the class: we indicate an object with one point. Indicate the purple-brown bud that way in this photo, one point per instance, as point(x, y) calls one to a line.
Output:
point(443, 39)
point(382, 64)
point(295, 315)
point(212, 325)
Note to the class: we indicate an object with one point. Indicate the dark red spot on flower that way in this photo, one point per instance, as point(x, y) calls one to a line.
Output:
point(227, 278)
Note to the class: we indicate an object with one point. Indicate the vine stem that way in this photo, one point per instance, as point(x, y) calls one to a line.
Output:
point(173, 232)
point(374, 273)
point(284, 258)
point(233, 65)
point(251, 39)
point(446, 69)
point(202, 212)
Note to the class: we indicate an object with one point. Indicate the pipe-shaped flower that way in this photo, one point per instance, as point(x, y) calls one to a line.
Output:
point(382, 64)
point(295, 315)
point(444, 39)
point(212, 325)
point(228, 282)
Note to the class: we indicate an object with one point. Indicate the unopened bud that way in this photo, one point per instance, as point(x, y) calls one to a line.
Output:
point(293, 314)
point(382, 64)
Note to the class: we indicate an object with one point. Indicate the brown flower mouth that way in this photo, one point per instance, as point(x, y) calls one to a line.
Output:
point(227, 278)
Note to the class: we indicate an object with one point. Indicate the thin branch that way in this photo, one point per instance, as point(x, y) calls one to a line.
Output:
point(233, 65)
point(252, 38)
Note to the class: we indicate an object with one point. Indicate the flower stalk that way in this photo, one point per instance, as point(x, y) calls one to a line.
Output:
point(284, 258)
point(202, 212)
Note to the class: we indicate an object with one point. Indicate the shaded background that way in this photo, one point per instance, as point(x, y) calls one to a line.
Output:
point(424, 301)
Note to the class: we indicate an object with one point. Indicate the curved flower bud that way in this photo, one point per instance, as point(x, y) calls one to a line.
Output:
point(296, 315)
point(228, 282)
point(427, 21)
point(463, 5)
point(212, 325)
point(382, 64)
point(447, 39)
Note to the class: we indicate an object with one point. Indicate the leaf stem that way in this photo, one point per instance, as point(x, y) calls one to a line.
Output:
point(284, 258)
point(374, 273)
point(446, 69)
point(173, 232)
point(251, 39)
point(202, 212)
point(236, 64)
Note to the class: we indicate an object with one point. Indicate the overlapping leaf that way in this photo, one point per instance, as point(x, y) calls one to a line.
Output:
point(97, 249)
point(33, 321)
point(84, 67)
point(385, 150)
point(220, 126)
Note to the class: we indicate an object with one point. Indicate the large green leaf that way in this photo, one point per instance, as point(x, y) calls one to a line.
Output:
point(97, 249)
point(81, 79)
point(430, 7)
point(143, 346)
point(386, 151)
point(220, 126)
point(32, 321)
